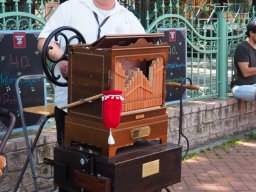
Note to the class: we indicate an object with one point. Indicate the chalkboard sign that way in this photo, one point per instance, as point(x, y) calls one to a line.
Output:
point(176, 67)
point(18, 57)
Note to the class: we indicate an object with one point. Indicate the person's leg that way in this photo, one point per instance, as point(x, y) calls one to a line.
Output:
point(245, 92)
point(59, 115)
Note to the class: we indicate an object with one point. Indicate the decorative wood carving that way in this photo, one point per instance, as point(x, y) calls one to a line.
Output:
point(140, 91)
point(139, 43)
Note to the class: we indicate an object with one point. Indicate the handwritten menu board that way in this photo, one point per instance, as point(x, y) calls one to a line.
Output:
point(176, 67)
point(18, 57)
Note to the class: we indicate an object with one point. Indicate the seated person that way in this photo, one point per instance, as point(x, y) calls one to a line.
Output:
point(244, 83)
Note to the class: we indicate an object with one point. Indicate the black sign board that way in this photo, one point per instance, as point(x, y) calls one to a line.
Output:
point(176, 67)
point(18, 57)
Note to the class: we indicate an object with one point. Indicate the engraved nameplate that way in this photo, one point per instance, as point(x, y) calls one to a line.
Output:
point(140, 116)
point(150, 168)
point(140, 132)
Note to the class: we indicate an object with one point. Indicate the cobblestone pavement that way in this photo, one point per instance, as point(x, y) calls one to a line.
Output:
point(229, 169)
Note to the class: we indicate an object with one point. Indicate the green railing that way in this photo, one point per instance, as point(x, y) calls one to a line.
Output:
point(213, 32)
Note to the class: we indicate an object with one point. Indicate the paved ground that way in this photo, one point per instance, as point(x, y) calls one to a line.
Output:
point(230, 169)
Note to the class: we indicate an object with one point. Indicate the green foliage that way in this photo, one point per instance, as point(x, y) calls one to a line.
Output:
point(233, 1)
point(218, 155)
point(191, 155)
point(250, 136)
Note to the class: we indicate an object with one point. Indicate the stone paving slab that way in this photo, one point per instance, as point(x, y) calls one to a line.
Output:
point(231, 169)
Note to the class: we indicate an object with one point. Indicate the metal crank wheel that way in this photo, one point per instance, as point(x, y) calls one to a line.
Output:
point(68, 36)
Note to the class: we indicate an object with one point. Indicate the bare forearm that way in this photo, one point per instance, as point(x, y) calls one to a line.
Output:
point(54, 53)
point(251, 71)
point(246, 70)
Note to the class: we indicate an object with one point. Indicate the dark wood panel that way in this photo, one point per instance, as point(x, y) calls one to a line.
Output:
point(124, 170)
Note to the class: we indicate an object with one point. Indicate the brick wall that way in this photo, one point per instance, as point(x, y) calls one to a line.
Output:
point(208, 121)
point(15, 153)
point(203, 123)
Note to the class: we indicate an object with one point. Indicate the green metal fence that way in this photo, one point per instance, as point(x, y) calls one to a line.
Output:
point(21, 15)
point(213, 32)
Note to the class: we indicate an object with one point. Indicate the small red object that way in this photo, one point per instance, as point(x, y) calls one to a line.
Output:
point(112, 108)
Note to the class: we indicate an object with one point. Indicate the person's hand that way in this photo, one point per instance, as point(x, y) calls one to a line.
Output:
point(63, 66)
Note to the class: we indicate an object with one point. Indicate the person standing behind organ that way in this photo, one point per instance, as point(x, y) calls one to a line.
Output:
point(93, 19)
point(244, 87)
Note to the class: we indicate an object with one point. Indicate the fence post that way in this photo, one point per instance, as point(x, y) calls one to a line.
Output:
point(222, 56)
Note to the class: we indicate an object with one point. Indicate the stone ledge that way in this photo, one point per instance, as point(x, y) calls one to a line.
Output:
point(206, 121)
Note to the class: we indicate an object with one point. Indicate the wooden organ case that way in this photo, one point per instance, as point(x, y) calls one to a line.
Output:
point(141, 160)
point(132, 64)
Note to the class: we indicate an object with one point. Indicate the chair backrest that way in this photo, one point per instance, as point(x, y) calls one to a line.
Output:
point(30, 78)
point(12, 120)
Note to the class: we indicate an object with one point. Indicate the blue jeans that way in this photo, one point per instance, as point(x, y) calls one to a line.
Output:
point(245, 92)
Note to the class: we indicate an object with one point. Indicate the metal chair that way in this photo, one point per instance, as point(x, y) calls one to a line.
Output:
point(47, 111)
point(12, 120)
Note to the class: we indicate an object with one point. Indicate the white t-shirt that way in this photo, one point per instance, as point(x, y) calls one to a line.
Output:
point(79, 15)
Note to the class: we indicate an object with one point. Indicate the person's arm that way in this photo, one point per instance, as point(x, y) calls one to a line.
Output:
point(57, 20)
point(246, 70)
point(55, 54)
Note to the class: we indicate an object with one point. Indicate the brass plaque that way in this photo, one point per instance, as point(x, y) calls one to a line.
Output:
point(140, 116)
point(150, 168)
point(140, 132)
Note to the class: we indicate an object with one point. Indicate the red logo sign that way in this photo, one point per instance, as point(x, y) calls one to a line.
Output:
point(19, 40)
point(172, 35)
